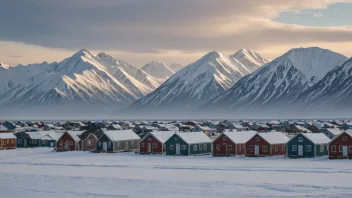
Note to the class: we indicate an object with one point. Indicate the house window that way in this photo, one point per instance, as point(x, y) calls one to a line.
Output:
point(251, 147)
point(265, 148)
point(308, 148)
point(4, 142)
point(322, 148)
point(229, 147)
point(294, 147)
point(344, 138)
point(283, 147)
point(200, 147)
point(276, 147)
point(61, 142)
point(218, 147)
point(109, 144)
point(8, 141)
point(333, 148)
point(300, 139)
point(19, 141)
point(142, 145)
point(155, 145)
point(239, 147)
point(257, 138)
point(350, 149)
point(71, 143)
point(195, 147)
point(89, 143)
point(34, 141)
point(183, 147)
point(224, 138)
point(205, 146)
point(43, 141)
point(12, 141)
point(340, 148)
point(172, 147)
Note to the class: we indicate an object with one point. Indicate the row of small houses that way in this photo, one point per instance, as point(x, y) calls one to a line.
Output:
point(249, 143)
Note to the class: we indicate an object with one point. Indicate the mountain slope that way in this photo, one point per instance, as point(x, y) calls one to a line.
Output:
point(158, 70)
point(194, 84)
point(247, 61)
point(279, 82)
point(175, 67)
point(333, 92)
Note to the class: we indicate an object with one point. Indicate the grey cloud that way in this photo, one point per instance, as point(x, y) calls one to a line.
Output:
point(146, 25)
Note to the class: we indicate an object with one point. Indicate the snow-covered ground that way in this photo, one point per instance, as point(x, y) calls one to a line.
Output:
point(39, 172)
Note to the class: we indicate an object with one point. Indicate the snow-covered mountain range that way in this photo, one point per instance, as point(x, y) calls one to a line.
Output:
point(198, 82)
point(280, 82)
point(159, 70)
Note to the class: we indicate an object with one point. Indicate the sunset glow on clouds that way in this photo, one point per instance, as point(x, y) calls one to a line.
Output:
point(139, 31)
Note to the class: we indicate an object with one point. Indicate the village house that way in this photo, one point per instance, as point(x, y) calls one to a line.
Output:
point(331, 132)
point(69, 141)
point(118, 141)
point(308, 145)
point(267, 144)
point(232, 143)
point(341, 146)
point(7, 141)
point(114, 127)
point(203, 129)
point(154, 142)
point(88, 141)
point(189, 143)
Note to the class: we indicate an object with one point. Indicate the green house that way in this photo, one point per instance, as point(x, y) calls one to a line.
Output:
point(308, 145)
point(190, 143)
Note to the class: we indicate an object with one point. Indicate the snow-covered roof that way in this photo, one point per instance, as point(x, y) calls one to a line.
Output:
point(117, 126)
point(194, 137)
point(3, 128)
point(274, 137)
point(75, 134)
point(162, 136)
point(317, 138)
point(36, 135)
point(334, 131)
point(238, 126)
point(302, 128)
point(7, 136)
point(240, 137)
point(121, 135)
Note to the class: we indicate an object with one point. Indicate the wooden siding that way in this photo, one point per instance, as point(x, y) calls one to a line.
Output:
point(155, 145)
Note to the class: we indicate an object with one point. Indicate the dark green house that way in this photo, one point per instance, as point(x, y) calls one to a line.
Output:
point(308, 145)
point(22, 139)
point(189, 143)
point(34, 139)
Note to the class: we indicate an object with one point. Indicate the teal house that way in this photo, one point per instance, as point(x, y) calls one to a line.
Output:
point(308, 145)
point(189, 143)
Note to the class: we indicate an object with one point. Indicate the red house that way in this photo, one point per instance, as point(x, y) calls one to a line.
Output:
point(267, 144)
point(341, 146)
point(8, 141)
point(69, 141)
point(154, 142)
point(232, 143)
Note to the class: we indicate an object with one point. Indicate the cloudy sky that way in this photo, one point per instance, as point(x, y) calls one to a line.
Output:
point(139, 31)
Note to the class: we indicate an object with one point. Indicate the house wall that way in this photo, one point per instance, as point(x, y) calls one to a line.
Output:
point(278, 149)
point(89, 144)
point(321, 151)
point(172, 142)
point(340, 142)
point(223, 144)
point(128, 145)
point(252, 142)
point(201, 148)
point(304, 143)
point(8, 143)
point(103, 139)
point(143, 148)
point(64, 139)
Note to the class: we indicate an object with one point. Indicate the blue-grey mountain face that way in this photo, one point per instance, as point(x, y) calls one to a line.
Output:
point(279, 83)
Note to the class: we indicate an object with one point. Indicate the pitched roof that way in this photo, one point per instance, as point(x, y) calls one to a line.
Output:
point(334, 131)
point(162, 136)
point(75, 135)
point(274, 137)
point(302, 128)
point(240, 137)
point(7, 136)
point(317, 138)
point(121, 135)
point(194, 137)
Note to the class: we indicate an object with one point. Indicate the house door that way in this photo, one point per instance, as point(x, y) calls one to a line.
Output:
point(105, 146)
point(178, 149)
point(149, 147)
point(25, 143)
point(51, 144)
point(300, 150)
point(344, 151)
point(256, 149)
point(228, 149)
point(67, 145)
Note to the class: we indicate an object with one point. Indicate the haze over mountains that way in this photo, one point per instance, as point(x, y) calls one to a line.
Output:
point(303, 81)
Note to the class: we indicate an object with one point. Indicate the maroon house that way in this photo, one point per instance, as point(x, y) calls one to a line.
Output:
point(8, 141)
point(232, 143)
point(153, 142)
point(341, 146)
point(69, 141)
point(267, 144)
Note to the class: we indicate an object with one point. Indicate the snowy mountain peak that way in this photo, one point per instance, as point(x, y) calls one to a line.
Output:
point(105, 55)
point(83, 52)
point(3, 65)
point(158, 70)
point(175, 67)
